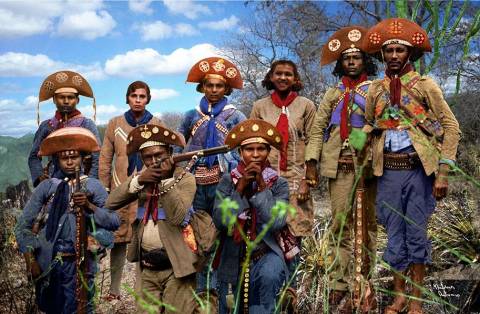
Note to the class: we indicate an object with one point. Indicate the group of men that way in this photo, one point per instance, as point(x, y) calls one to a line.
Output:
point(399, 126)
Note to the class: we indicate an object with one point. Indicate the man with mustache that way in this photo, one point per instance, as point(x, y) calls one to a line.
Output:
point(64, 87)
point(414, 141)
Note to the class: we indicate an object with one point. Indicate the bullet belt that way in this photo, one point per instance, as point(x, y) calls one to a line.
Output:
point(401, 161)
point(206, 176)
point(345, 164)
point(259, 252)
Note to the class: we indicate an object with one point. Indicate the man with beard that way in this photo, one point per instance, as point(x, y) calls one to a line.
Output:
point(206, 126)
point(46, 231)
point(65, 88)
point(414, 142)
point(335, 143)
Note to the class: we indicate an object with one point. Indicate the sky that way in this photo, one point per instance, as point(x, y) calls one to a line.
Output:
point(111, 43)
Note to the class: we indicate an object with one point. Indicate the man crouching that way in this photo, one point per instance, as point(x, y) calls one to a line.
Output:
point(256, 188)
point(165, 194)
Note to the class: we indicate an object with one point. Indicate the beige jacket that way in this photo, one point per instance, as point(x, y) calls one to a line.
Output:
point(112, 169)
point(176, 203)
point(301, 113)
point(427, 148)
point(327, 153)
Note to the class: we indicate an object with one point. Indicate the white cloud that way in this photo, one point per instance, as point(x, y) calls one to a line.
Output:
point(159, 30)
point(18, 118)
point(15, 64)
point(163, 93)
point(226, 23)
point(104, 112)
point(140, 6)
point(12, 25)
point(85, 19)
point(150, 62)
point(87, 25)
point(188, 8)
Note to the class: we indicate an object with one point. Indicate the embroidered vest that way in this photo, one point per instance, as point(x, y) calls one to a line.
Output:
point(357, 105)
point(199, 129)
point(412, 112)
point(76, 121)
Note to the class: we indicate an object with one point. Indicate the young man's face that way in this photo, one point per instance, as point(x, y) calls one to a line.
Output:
point(151, 155)
point(66, 102)
point(283, 77)
point(395, 55)
point(69, 160)
point(214, 89)
point(352, 64)
point(255, 152)
point(137, 100)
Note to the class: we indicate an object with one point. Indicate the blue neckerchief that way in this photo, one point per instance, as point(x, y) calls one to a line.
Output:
point(162, 216)
point(211, 138)
point(134, 160)
point(58, 208)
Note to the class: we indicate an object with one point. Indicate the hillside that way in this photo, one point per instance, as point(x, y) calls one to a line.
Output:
point(14, 159)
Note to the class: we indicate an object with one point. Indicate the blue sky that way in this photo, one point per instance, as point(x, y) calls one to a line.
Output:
point(111, 43)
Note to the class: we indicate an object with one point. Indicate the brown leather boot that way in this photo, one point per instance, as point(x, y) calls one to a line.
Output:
point(417, 273)
point(400, 301)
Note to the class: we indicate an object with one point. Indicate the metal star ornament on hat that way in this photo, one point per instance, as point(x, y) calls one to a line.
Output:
point(216, 67)
point(69, 138)
point(254, 131)
point(397, 31)
point(345, 40)
point(64, 82)
point(148, 135)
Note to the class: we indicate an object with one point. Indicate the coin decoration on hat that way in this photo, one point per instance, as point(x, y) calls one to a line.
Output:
point(65, 82)
point(69, 139)
point(345, 40)
point(254, 131)
point(148, 135)
point(216, 67)
point(397, 31)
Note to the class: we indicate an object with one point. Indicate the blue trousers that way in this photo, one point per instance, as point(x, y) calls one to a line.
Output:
point(404, 204)
point(267, 276)
point(59, 296)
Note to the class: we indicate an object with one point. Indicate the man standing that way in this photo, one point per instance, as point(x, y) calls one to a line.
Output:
point(256, 188)
point(165, 194)
point(46, 231)
point(339, 118)
point(206, 126)
point(65, 88)
point(112, 174)
point(414, 142)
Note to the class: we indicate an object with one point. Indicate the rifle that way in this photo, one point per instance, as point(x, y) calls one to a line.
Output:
point(363, 293)
point(81, 259)
point(196, 154)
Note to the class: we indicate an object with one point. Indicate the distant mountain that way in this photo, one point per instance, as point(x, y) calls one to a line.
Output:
point(14, 159)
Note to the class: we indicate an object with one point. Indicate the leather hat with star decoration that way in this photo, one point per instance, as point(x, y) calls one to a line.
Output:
point(346, 39)
point(254, 131)
point(69, 138)
point(397, 31)
point(148, 135)
point(216, 67)
point(64, 82)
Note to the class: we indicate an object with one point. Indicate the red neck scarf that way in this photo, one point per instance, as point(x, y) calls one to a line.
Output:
point(152, 205)
point(350, 85)
point(282, 123)
point(396, 84)
point(60, 116)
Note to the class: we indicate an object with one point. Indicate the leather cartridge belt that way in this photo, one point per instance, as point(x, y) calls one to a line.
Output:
point(345, 164)
point(156, 259)
point(206, 176)
point(401, 161)
point(259, 252)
